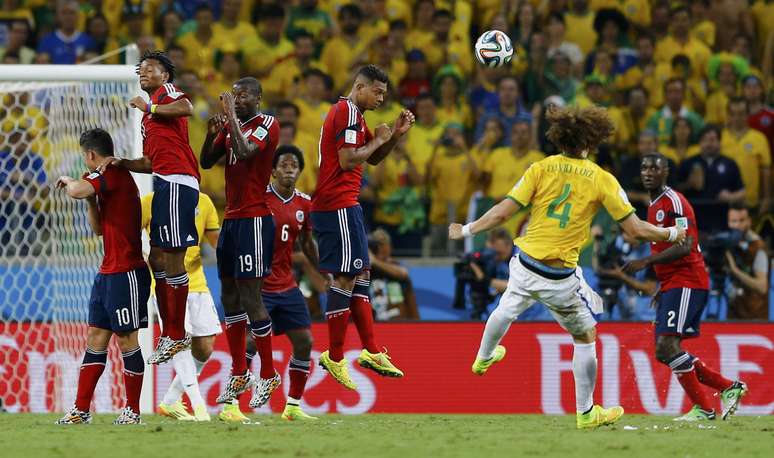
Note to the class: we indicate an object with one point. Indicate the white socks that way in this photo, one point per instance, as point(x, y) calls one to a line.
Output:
point(584, 369)
point(496, 327)
point(187, 369)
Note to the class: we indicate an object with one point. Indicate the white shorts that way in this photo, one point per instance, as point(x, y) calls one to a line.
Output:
point(570, 300)
point(201, 318)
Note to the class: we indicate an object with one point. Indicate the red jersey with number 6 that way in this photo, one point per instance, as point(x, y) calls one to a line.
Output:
point(120, 216)
point(291, 217)
point(344, 127)
point(165, 140)
point(246, 179)
point(669, 209)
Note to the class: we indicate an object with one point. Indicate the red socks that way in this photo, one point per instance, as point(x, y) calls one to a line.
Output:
point(694, 390)
point(177, 296)
point(161, 299)
point(134, 368)
point(363, 315)
point(338, 318)
point(91, 370)
point(261, 331)
point(709, 377)
point(236, 332)
point(298, 372)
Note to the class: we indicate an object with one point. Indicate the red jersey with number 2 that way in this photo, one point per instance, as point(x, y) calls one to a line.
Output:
point(344, 127)
point(669, 209)
point(165, 140)
point(246, 179)
point(291, 217)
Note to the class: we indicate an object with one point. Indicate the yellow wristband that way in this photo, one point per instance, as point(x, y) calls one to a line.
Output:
point(153, 108)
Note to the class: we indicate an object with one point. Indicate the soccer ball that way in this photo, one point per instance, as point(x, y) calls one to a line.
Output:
point(494, 48)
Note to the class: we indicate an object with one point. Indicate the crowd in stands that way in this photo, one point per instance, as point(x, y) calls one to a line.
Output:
point(690, 79)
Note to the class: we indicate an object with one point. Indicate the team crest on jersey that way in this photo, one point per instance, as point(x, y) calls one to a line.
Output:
point(300, 216)
point(358, 263)
point(93, 176)
point(660, 216)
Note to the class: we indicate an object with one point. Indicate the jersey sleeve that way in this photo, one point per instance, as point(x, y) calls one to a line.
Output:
point(524, 189)
point(97, 181)
point(170, 93)
point(345, 126)
point(307, 209)
point(614, 198)
point(265, 134)
point(211, 222)
point(145, 204)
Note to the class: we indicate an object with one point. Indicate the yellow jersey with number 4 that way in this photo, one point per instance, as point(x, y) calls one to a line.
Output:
point(564, 194)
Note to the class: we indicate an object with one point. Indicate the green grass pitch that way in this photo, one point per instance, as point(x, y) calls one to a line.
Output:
point(395, 436)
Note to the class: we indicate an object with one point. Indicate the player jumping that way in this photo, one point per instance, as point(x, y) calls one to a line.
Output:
point(119, 296)
point(563, 193)
point(201, 318)
point(167, 154)
point(283, 298)
point(683, 296)
point(337, 219)
point(249, 139)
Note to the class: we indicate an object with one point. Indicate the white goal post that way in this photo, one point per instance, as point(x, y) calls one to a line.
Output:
point(48, 255)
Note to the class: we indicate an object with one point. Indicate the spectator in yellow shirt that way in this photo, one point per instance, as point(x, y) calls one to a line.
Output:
point(630, 120)
point(580, 26)
point(230, 29)
point(703, 28)
point(200, 44)
point(680, 41)
point(282, 82)
point(426, 132)
point(312, 106)
point(505, 165)
point(307, 140)
point(268, 46)
point(448, 87)
point(228, 63)
point(346, 50)
point(750, 149)
point(389, 51)
point(646, 72)
point(168, 28)
point(681, 145)
point(399, 170)
point(421, 34)
point(636, 11)
point(724, 72)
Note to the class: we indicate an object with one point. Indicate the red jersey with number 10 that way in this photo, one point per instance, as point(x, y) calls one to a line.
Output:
point(344, 127)
point(246, 179)
point(120, 216)
point(291, 217)
point(669, 209)
point(165, 140)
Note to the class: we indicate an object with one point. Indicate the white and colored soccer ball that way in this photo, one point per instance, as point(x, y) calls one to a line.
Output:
point(494, 48)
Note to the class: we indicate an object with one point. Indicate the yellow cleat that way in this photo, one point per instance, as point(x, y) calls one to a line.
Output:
point(232, 414)
point(480, 366)
point(599, 416)
point(176, 411)
point(201, 414)
point(294, 413)
point(379, 363)
point(338, 370)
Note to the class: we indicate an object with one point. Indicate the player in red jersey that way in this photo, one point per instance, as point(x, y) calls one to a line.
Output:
point(283, 299)
point(684, 286)
point(167, 154)
point(248, 139)
point(119, 296)
point(337, 219)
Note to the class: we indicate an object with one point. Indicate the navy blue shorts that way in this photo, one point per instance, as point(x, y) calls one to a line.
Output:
point(342, 240)
point(679, 312)
point(173, 215)
point(119, 302)
point(288, 310)
point(245, 247)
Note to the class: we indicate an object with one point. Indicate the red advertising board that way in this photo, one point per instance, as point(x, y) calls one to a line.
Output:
point(535, 376)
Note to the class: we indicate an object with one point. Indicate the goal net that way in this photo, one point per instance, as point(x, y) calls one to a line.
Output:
point(48, 253)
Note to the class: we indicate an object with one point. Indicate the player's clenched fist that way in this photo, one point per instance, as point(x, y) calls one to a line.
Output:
point(455, 231)
point(139, 103)
point(383, 132)
point(62, 181)
point(216, 123)
point(404, 122)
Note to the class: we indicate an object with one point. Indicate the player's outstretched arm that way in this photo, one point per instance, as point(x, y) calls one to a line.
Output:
point(402, 124)
point(496, 216)
point(212, 151)
point(141, 165)
point(643, 230)
point(673, 253)
point(177, 109)
point(82, 189)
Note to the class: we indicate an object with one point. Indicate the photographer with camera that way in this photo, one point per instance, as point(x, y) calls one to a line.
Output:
point(392, 291)
point(748, 267)
point(486, 271)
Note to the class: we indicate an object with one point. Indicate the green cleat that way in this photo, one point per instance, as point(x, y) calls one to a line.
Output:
point(379, 363)
point(176, 411)
point(294, 413)
point(232, 414)
point(201, 414)
point(480, 366)
point(696, 414)
point(599, 416)
point(731, 397)
point(338, 370)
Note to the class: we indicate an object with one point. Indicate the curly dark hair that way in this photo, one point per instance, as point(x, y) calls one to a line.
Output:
point(574, 130)
point(288, 149)
point(162, 58)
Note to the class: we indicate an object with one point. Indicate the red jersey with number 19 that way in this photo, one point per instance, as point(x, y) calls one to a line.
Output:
point(246, 179)
point(120, 216)
point(669, 209)
point(344, 127)
point(291, 217)
point(165, 140)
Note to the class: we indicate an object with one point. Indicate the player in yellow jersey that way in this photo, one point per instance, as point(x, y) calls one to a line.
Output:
point(201, 319)
point(563, 193)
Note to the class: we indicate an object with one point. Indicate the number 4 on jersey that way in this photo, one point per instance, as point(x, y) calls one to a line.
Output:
point(564, 217)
